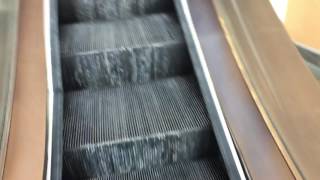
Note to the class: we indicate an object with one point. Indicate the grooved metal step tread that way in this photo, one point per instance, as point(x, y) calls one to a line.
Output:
point(118, 130)
point(135, 32)
point(208, 169)
point(98, 10)
point(114, 53)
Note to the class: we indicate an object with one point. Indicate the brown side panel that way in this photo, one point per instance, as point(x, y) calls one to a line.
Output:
point(256, 147)
point(285, 91)
point(25, 154)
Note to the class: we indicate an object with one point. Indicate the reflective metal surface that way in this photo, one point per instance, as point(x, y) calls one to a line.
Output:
point(253, 141)
point(8, 37)
point(285, 91)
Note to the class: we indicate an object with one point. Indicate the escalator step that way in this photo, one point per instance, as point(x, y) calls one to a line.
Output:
point(83, 10)
point(119, 130)
point(115, 53)
point(209, 169)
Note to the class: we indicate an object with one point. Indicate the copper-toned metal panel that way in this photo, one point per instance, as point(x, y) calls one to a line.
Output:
point(257, 149)
point(286, 93)
point(26, 146)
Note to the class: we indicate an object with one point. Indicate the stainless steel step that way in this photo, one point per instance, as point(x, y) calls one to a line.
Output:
point(112, 54)
point(94, 10)
point(208, 169)
point(133, 127)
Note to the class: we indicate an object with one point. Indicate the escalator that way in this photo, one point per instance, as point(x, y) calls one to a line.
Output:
point(132, 104)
